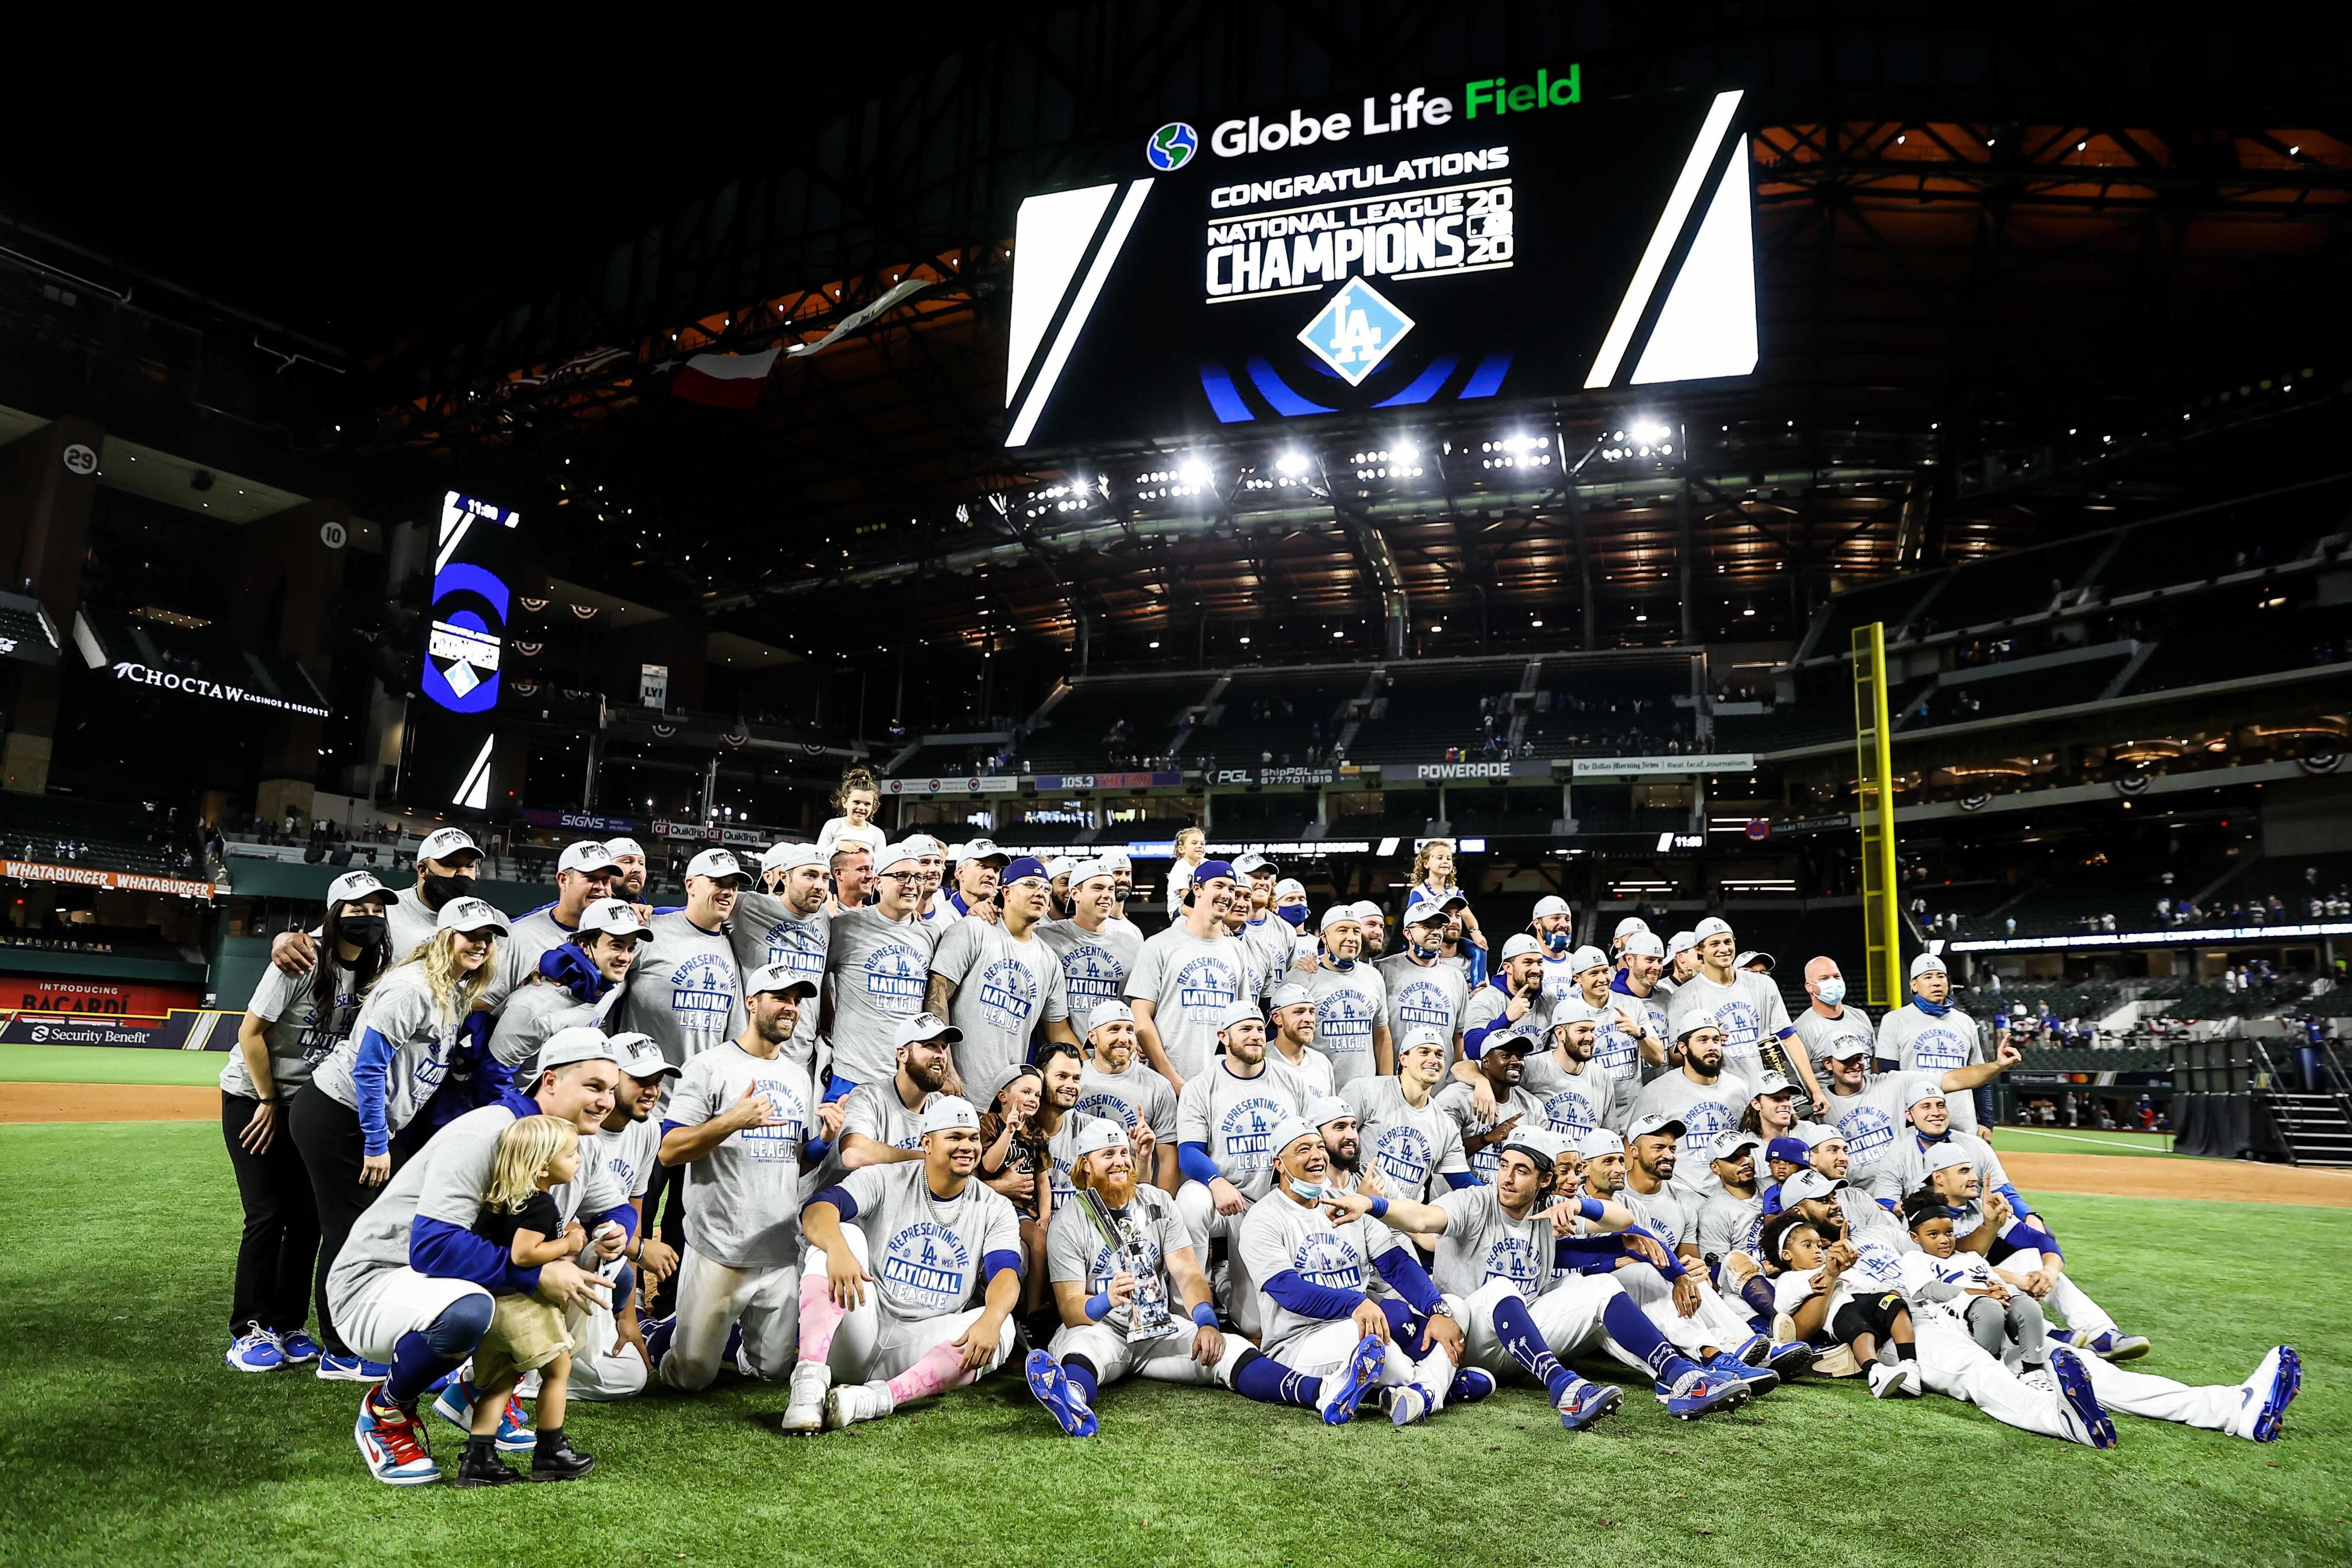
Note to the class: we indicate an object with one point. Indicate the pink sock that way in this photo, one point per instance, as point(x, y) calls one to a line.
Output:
point(819, 1316)
point(942, 1368)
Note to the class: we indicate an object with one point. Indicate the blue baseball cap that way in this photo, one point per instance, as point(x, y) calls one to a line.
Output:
point(1208, 869)
point(1792, 1149)
point(1027, 866)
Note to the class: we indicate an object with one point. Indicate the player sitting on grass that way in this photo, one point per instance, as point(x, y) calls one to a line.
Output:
point(1499, 1256)
point(2005, 1320)
point(526, 1335)
point(1136, 1302)
point(1814, 1291)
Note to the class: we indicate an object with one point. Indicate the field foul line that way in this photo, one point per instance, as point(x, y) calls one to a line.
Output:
point(2113, 1142)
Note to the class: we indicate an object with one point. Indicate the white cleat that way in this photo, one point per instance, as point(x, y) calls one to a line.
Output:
point(804, 1411)
point(1409, 1403)
point(1885, 1382)
point(854, 1402)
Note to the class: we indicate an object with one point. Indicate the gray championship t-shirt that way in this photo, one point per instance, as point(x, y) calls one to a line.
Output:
point(1707, 1111)
point(1189, 982)
point(1095, 963)
point(877, 969)
point(1076, 1253)
point(875, 1111)
point(400, 1008)
point(1412, 1145)
point(1460, 1101)
point(1235, 1117)
point(1916, 1042)
point(532, 1014)
point(1575, 1103)
point(1488, 1004)
point(1851, 1027)
point(304, 1024)
point(1616, 1050)
point(684, 989)
point(1480, 1242)
point(1137, 1096)
point(1728, 1224)
point(1280, 1237)
point(1004, 990)
point(926, 1253)
point(1870, 1122)
point(764, 931)
point(743, 1198)
point(1749, 1011)
point(1431, 996)
point(1347, 1003)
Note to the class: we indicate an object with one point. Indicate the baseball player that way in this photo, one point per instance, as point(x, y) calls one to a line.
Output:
point(1503, 1064)
point(1290, 907)
point(1412, 1141)
point(1827, 1023)
point(1633, 1029)
point(1928, 1129)
point(1745, 1005)
point(1351, 1004)
point(1224, 1122)
point(1496, 1266)
point(1731, 1217)
point(1681, 960)
point(1122, 872)
point(684, 989)
point(584, 873)
point(1259, 976)
point(877, 962)
point(1511, 999)
point(1117, 1087)
point(783, 921)
point(1669, 1210)
point(978, 868)
point(1627, 928)
point(1316, 1278)
point(1268, 934)
point(1187, 976)
point(1098, 1291)
point(1424, 991)
point(1928, 1034)
point(896, 1254)
point(1376, 928)
point(1096, 951)
point(743, 1123)
point(577, 983)
point(609, 1360)
point(1057, 873)
point(1869, 1112)
point(1061, 1069)
point(1290, 1013)
point(1705, 1094)
point(413, 1286)
point(1577, 1095)
point(629, 857)
point(883, 1122)
point(1553, 925)
point(997, 982)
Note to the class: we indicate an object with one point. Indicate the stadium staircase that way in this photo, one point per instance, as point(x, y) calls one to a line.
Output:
point(2314, 1129)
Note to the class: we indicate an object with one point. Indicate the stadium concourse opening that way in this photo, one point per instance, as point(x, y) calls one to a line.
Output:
point(1245, 743)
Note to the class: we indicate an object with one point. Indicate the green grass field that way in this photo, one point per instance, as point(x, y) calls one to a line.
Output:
point(108, 1064)
point(123, 1438)
point(2080, 1141)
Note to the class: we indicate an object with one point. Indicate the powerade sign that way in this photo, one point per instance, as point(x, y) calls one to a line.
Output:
point(1434, 243)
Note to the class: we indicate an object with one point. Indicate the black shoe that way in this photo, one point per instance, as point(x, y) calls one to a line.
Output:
point(561, 1463)
point(483, 1471)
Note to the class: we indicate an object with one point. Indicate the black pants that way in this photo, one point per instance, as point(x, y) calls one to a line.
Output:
point(277, 1255)
point(667, 1190)
point(328, 1133)
point(1874, 1314)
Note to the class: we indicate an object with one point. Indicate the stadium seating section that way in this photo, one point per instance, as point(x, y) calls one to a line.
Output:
point(1270, 719)
point(110, 836)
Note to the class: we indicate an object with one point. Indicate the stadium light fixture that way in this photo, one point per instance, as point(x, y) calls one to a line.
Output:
point(1293, 463)
point(1650, 430)
point(1192, 472)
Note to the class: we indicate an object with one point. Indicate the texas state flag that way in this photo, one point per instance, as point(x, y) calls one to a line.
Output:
point(724, 381)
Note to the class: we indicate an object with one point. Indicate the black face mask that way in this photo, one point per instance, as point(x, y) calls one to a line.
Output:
point(363, 930)
point(439, 890)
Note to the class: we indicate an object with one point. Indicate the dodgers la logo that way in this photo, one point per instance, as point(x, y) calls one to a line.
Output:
point(1424, 1002)
point(1614, 1051)
point(1205, 987)
point(1739, 1021)
point(926, 1266)
point(1705, 1121)
point(1567, 1111)
point(1323, 1258)
point(800, 948)
point(1091, 974)
point(1246, 1133)
point(1343, 1023)
point(1405, 1152)
point(1939, 1049)
point(1867, 1131)
point(1008, 994)
point(1876, 1261)
point(701, 996)
point(895, 976)
point(1511, 1258)
point(1106, 1106)
point(781, 1143)
point(1355, 332)
point(1559, 984)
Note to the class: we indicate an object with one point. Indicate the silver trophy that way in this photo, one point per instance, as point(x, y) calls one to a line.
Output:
point(1146, 1313)
point(1777, 1058)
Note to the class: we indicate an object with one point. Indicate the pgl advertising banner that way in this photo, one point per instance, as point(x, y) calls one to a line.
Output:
point(1443, 242)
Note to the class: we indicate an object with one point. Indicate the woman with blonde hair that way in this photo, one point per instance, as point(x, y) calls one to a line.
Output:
point(371, 1087)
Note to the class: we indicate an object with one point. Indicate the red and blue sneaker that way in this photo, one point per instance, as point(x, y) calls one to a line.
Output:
point(392, 1443)
point(1582, 1404)
point(1695, 1391)
point(455, 1403)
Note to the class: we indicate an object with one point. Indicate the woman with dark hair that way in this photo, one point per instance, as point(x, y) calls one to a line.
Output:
point(293, 1022)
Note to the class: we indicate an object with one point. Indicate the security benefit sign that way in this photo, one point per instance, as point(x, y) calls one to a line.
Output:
point(1444, 242)
point(453, 725)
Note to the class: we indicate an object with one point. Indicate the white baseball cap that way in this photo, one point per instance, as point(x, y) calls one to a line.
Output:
point(1059, 866)
point(895, 855)
point(1289, 888)
point(587, 855)
point(1550, 904)
point(945, 1113)
point(1238, 1012)
point(444, 842)
point(614, 917)
point(1770, 1086)
point(1927, 963)
point(1656, 1122)
point(580, 1043)
point(1251, 864)
point(353, 886)
point(1336, 915)
point(1598, 1141)
point(1098, 1134)
point(470, 914)
point(1712, 926)
point(1843, 1048)
point(1744, 959)
point(1944, 1156)
point(1585, 958)
point(1646, 944)
point(790, 856)
point(1111, 1010)
point(1926, 1089)
point(778, 977)
point(1520, 946)
point(925, 1026)
point(980, 849)
point(621, 848)
point(1633, 925)
point(1681, 941)
point(1325, 1108)
point(640, 1057)
point(1806, 1184)
point(1290, 994)
point(1575, 1010)
point(717, 865)
point(1728, 1146)
point(1289, 1130)
point(1422, 913)
point(922, 846)
point(1115, 858)
point(1084, 872)
point(1813, 1134)
point(1430, 1035)
point(1370, 912)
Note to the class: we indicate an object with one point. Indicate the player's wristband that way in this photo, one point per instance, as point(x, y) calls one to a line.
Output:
point(1590, 1208)
point(1205, 1315)
point(1098, 1306)
point(1380, 1208)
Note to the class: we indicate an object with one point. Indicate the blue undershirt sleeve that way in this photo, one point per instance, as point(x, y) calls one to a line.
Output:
point(1193, 1159)
point(1408, 1278)
point(369, 1070)
point(1307, 1300)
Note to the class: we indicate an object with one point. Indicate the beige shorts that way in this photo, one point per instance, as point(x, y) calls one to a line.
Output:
point(525, 1335)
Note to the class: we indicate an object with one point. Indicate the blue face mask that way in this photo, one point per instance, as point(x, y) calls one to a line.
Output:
point(1413, 941)
point(1557, 941)
point(1339, 963)
point(1313, 1191)
point(1933, 1009)
point(1294, 913)
point(1833, 990)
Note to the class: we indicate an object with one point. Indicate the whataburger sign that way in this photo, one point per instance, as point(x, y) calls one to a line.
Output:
point(91, 877)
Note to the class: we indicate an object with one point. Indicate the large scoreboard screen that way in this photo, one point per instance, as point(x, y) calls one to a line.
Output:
point(1499, 238)
point(452, 728)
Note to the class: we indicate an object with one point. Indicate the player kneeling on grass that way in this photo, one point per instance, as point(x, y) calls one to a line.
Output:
point(1120, 1260)
point(926, 1237)
point(526, 1335)
point(1499, 1256)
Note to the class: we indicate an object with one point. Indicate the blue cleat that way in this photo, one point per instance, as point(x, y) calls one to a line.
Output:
point(1755, 1351)
point(1791, 1359)
point(657, 1335)
point(1582, 1404)
point(2107, 1345)
point(255, 1350)
point(1470, 1385)
point(2265, 1396)
point(392, 1443)
point(1758, 1379)
point(1344, 1391)
point(1409, 1403)
point(2072, 1381)
point(456, 1403)
point(298, 1348)
point(351, 1369)
point(1695, 1392)
point(1058, 1395)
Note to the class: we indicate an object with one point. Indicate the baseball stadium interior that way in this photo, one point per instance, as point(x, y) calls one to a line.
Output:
point(1881, 482)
